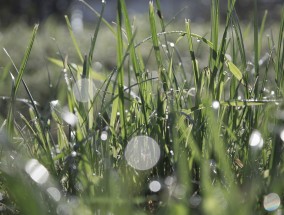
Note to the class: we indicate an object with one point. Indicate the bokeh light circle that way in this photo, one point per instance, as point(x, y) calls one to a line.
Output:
point(142, 152)
point(271, 202)
point(155, 186)
point(256, 139)
point(84, 90)
point(37, 171)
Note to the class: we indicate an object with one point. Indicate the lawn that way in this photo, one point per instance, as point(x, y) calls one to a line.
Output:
point(171, 119)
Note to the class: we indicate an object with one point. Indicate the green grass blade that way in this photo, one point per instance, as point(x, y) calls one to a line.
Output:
point(191, 51)
point(256, 48)
point(25, 60)
point(156, 46)
point(74, 39)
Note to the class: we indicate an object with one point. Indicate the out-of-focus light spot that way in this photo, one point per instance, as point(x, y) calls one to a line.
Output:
point(98, 66)
point(282, 135)
point(155, 186)
point(54, 103)
point(142, 152)
point(216, 105)
point(195, 200)
point(69, 118)
point(64, 209)
point(179, 191)
point(255, 139)
point(170, 180)
point(73, 154)
point(172, 45)
point(271, 202)
point(54, 193)
point(84, 90)
point(104, 135)
point(77, 20)
point(36, 171)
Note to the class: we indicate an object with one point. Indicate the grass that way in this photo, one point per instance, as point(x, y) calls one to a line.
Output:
point(216, 123)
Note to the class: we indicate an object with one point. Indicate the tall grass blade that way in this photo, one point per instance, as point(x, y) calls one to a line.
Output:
point(73, 39)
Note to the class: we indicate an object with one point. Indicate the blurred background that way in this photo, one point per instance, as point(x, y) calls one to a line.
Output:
point(17, 19)
point(32, 11)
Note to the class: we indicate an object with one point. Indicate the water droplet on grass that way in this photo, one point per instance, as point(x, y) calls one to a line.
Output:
point(142, 152)
point(271, 202)
point(73, 154)
point(54, 193)
point(216, 105)
point(255, 139)
point(172, 45)
point(104, 136)
point(155, 186)
point(69, 118)
point(198, 40)
point(36, 171)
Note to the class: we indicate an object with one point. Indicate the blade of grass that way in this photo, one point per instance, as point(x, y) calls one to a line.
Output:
point(73, 39)
point(193, 59)
point(156, 46)
point(256, 48)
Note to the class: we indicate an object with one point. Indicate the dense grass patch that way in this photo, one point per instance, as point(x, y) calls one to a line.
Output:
point(166, 132)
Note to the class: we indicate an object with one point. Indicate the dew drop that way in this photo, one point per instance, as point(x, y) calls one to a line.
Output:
point(69, 118)
point(37, 171)
point(216, 105)
point(73, 154)
point(198, 40)
point(271, 202)
point(255, 139)
point(104, 135)
point(155, 186)
point(142, 152)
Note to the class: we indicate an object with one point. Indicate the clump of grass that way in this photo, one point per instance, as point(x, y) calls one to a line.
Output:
point(218, 145)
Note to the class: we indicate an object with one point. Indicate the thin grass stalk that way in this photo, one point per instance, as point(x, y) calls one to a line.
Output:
point(256, 48)
point(280, 57)
point(74, 39)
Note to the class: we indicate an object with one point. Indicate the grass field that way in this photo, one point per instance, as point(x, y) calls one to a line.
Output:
point(185, 122)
